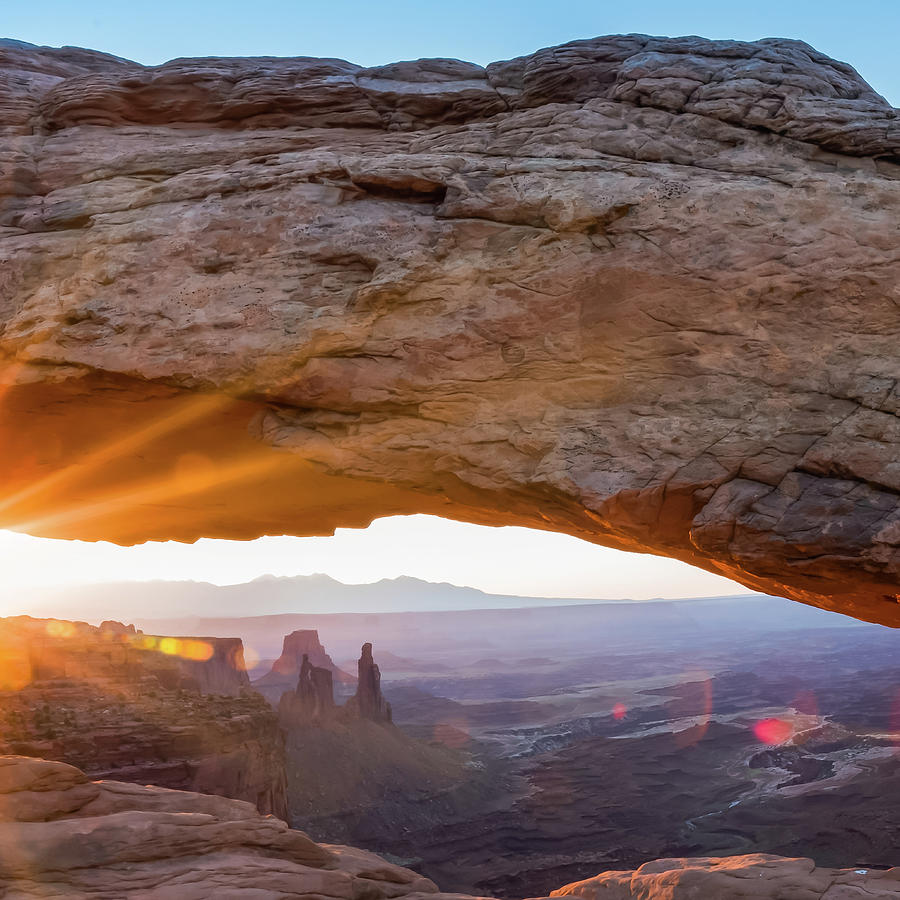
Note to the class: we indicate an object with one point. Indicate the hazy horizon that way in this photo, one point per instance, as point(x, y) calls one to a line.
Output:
point(313, 594)
point(509, 561)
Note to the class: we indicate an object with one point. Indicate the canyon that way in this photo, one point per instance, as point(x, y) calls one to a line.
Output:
point(639, 290)
point(535, 747)
point(66, 836)
point(528, 760)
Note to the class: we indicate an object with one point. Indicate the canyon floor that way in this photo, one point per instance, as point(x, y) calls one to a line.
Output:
point(541, 746)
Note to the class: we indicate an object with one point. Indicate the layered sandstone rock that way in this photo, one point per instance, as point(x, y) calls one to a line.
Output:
point(737, 878)
point(66, 836)
point(137, 708)
point(639, 290)
point(297, 646)
point(312, 701)
point(368, 702)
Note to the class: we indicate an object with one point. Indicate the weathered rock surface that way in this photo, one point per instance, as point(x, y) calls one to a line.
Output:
point(66, 836)
point(639, 290)
point(113, 703)
point(298, 646)
point(737, 878)
point(368, 702)
point(312, 701)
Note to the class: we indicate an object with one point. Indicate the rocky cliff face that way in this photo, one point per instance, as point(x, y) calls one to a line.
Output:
point(639, 290)
point(369, 702)
point(312, 701)
point(137, 708)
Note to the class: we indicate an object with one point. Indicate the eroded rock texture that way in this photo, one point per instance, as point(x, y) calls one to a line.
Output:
point(368, 702)
point(312, 701)
point(757, 875)
point(66, 836)
point(639, 290)
point(137, 708)
point(299, 648)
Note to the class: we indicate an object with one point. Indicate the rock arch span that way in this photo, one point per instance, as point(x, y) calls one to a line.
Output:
point(640, 290)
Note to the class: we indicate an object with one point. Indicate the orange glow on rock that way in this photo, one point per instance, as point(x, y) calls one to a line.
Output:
point(60, 629)
point(773, 731)
point(197, 650)
point(619, 711)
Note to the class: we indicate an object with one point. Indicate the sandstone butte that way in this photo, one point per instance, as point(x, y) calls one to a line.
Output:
point(645, 291)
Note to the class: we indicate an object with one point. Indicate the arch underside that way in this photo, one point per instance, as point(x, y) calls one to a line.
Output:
point(646, 327)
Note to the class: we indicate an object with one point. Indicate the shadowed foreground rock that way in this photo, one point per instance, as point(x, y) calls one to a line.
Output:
point(639, 290)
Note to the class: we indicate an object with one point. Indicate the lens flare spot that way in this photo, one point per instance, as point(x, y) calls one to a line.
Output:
point(772, 731)
point(197, 650)
point(619, 711)
point(251, 658)
point(170, 646)
point(60, 629)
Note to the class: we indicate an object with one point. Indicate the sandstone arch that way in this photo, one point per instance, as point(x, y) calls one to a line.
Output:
point(640, 290)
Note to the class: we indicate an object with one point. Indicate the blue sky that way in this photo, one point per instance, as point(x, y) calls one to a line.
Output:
point(863, 33)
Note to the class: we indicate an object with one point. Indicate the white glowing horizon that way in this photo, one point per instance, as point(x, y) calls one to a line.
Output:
point(506, 560)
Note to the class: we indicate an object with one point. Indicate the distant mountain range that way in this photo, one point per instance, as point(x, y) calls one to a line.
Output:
point(271, 595)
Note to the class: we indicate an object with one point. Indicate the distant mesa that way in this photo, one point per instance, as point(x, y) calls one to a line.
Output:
point(298, 646)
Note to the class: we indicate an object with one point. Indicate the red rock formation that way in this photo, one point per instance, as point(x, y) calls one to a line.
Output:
point(139, 708)
point(619, 289)
point(286, 669)
point(369, 702)
point(313, 700)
